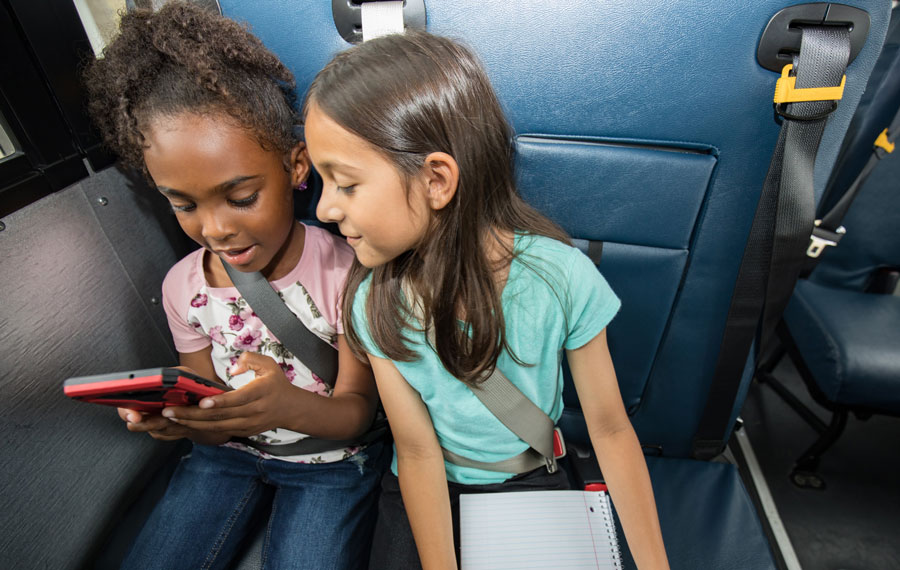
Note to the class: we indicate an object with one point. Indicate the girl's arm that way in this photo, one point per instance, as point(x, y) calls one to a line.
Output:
point(420, 467)
point(271, 401)
point(618, 451)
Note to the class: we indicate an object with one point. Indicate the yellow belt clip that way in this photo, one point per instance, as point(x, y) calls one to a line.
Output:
point(883, 142)
point(785, 92)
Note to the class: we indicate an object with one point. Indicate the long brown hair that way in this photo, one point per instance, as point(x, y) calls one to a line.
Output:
point(410, 95)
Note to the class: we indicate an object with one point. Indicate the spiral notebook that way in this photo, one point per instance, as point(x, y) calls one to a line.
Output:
point(538, 529)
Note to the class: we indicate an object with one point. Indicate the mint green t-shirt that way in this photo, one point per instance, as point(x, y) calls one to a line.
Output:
point(554, 298)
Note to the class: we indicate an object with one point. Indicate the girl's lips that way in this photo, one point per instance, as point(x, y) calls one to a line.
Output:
point(239, 256)
point(353, 240)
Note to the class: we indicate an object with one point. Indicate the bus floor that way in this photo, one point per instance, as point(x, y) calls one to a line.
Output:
point(855, 521)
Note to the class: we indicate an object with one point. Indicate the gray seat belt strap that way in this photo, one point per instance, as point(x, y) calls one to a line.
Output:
point(522, 417)
point(514, 410)
point(528, 460)
point(319, 356)
point(311, 445)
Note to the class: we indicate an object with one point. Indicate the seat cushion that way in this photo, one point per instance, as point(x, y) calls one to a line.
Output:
point(850, 341)
point(707, 517)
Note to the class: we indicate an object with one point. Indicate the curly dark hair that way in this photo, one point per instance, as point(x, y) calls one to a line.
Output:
point(184, 58)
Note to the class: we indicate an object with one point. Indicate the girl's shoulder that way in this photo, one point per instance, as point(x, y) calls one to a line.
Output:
point(545, 251)
point(559, 265)
point(323, 249)
point(324, 263)
point(185, 279)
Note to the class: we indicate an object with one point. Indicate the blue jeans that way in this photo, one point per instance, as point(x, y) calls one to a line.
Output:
point(320, 516)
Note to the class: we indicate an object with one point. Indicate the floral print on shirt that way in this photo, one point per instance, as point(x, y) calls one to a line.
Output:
point(233, 328)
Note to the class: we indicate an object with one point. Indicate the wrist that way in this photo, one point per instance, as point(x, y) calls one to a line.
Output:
point(206, 438)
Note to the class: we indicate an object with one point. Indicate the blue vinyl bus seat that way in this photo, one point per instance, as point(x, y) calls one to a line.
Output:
point(843, 324)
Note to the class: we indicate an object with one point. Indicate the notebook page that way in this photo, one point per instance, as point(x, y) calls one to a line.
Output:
point(539, 529)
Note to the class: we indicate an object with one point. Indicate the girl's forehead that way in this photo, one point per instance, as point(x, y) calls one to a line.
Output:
point(207, 122)
point(190, 150)
point(197, 132)
point(329, 142)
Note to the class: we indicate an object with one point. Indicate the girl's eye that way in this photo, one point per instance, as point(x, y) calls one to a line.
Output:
point(245, 202)
point(183, 207)
point(346, 189)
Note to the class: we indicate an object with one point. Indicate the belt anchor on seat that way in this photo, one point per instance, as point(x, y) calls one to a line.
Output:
point(786, 92)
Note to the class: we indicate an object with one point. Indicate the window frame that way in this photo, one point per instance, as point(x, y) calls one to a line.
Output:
point(43, 102)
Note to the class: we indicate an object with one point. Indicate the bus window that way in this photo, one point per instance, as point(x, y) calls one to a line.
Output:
point(8, 145)
point(100, 19)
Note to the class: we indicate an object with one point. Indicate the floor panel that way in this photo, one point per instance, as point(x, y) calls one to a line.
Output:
point(855, 522)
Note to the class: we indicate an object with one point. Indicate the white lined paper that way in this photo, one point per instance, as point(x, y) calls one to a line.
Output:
point(538, 529)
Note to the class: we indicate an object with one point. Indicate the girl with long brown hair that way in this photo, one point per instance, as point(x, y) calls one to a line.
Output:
point(455, 275)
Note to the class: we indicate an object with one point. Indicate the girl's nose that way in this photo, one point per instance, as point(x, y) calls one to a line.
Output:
point(327, 210)
point(217, 228)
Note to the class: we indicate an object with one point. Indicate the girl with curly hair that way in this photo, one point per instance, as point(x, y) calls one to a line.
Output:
point(206, 112)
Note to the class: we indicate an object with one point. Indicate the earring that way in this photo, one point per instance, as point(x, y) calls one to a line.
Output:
point(302, 186)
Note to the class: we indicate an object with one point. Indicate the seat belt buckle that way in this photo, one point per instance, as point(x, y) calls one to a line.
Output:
point(559, 444)
point(820, 239)
point(559, 451)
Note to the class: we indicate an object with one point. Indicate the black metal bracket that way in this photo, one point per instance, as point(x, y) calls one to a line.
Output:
point(348, 17)
point(781, 39)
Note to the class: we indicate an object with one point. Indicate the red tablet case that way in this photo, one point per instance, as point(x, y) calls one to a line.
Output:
point(148, 390)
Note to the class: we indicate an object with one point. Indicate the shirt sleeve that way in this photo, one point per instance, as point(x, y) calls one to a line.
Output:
point(178, 294)
point(592, 304)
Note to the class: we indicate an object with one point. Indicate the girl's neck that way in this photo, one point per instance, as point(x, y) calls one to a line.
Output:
point(498, 248)
point(287, 258)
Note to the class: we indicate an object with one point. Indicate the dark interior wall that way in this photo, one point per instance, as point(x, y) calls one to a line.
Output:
point(79, 294)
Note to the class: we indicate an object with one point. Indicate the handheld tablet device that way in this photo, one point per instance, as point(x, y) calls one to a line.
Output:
point(148, 390)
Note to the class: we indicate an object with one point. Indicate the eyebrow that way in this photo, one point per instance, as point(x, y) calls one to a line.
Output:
point(220, 188)
point(330, 165)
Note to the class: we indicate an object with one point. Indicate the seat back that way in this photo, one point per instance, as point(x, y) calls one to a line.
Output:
point(642, 125)
point(873, 234)
point(81, 282)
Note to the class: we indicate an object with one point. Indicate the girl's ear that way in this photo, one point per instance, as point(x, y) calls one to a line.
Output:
point(441, 173)
point(298, 164)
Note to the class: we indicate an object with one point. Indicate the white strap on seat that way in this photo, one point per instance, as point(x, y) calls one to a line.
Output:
point(381, 19)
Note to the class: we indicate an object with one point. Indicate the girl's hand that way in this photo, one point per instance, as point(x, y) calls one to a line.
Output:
point(265, 403)
point(271, 401)
point(163, 429)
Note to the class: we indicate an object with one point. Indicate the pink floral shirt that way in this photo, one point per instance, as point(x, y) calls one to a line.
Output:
point(200, 315)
